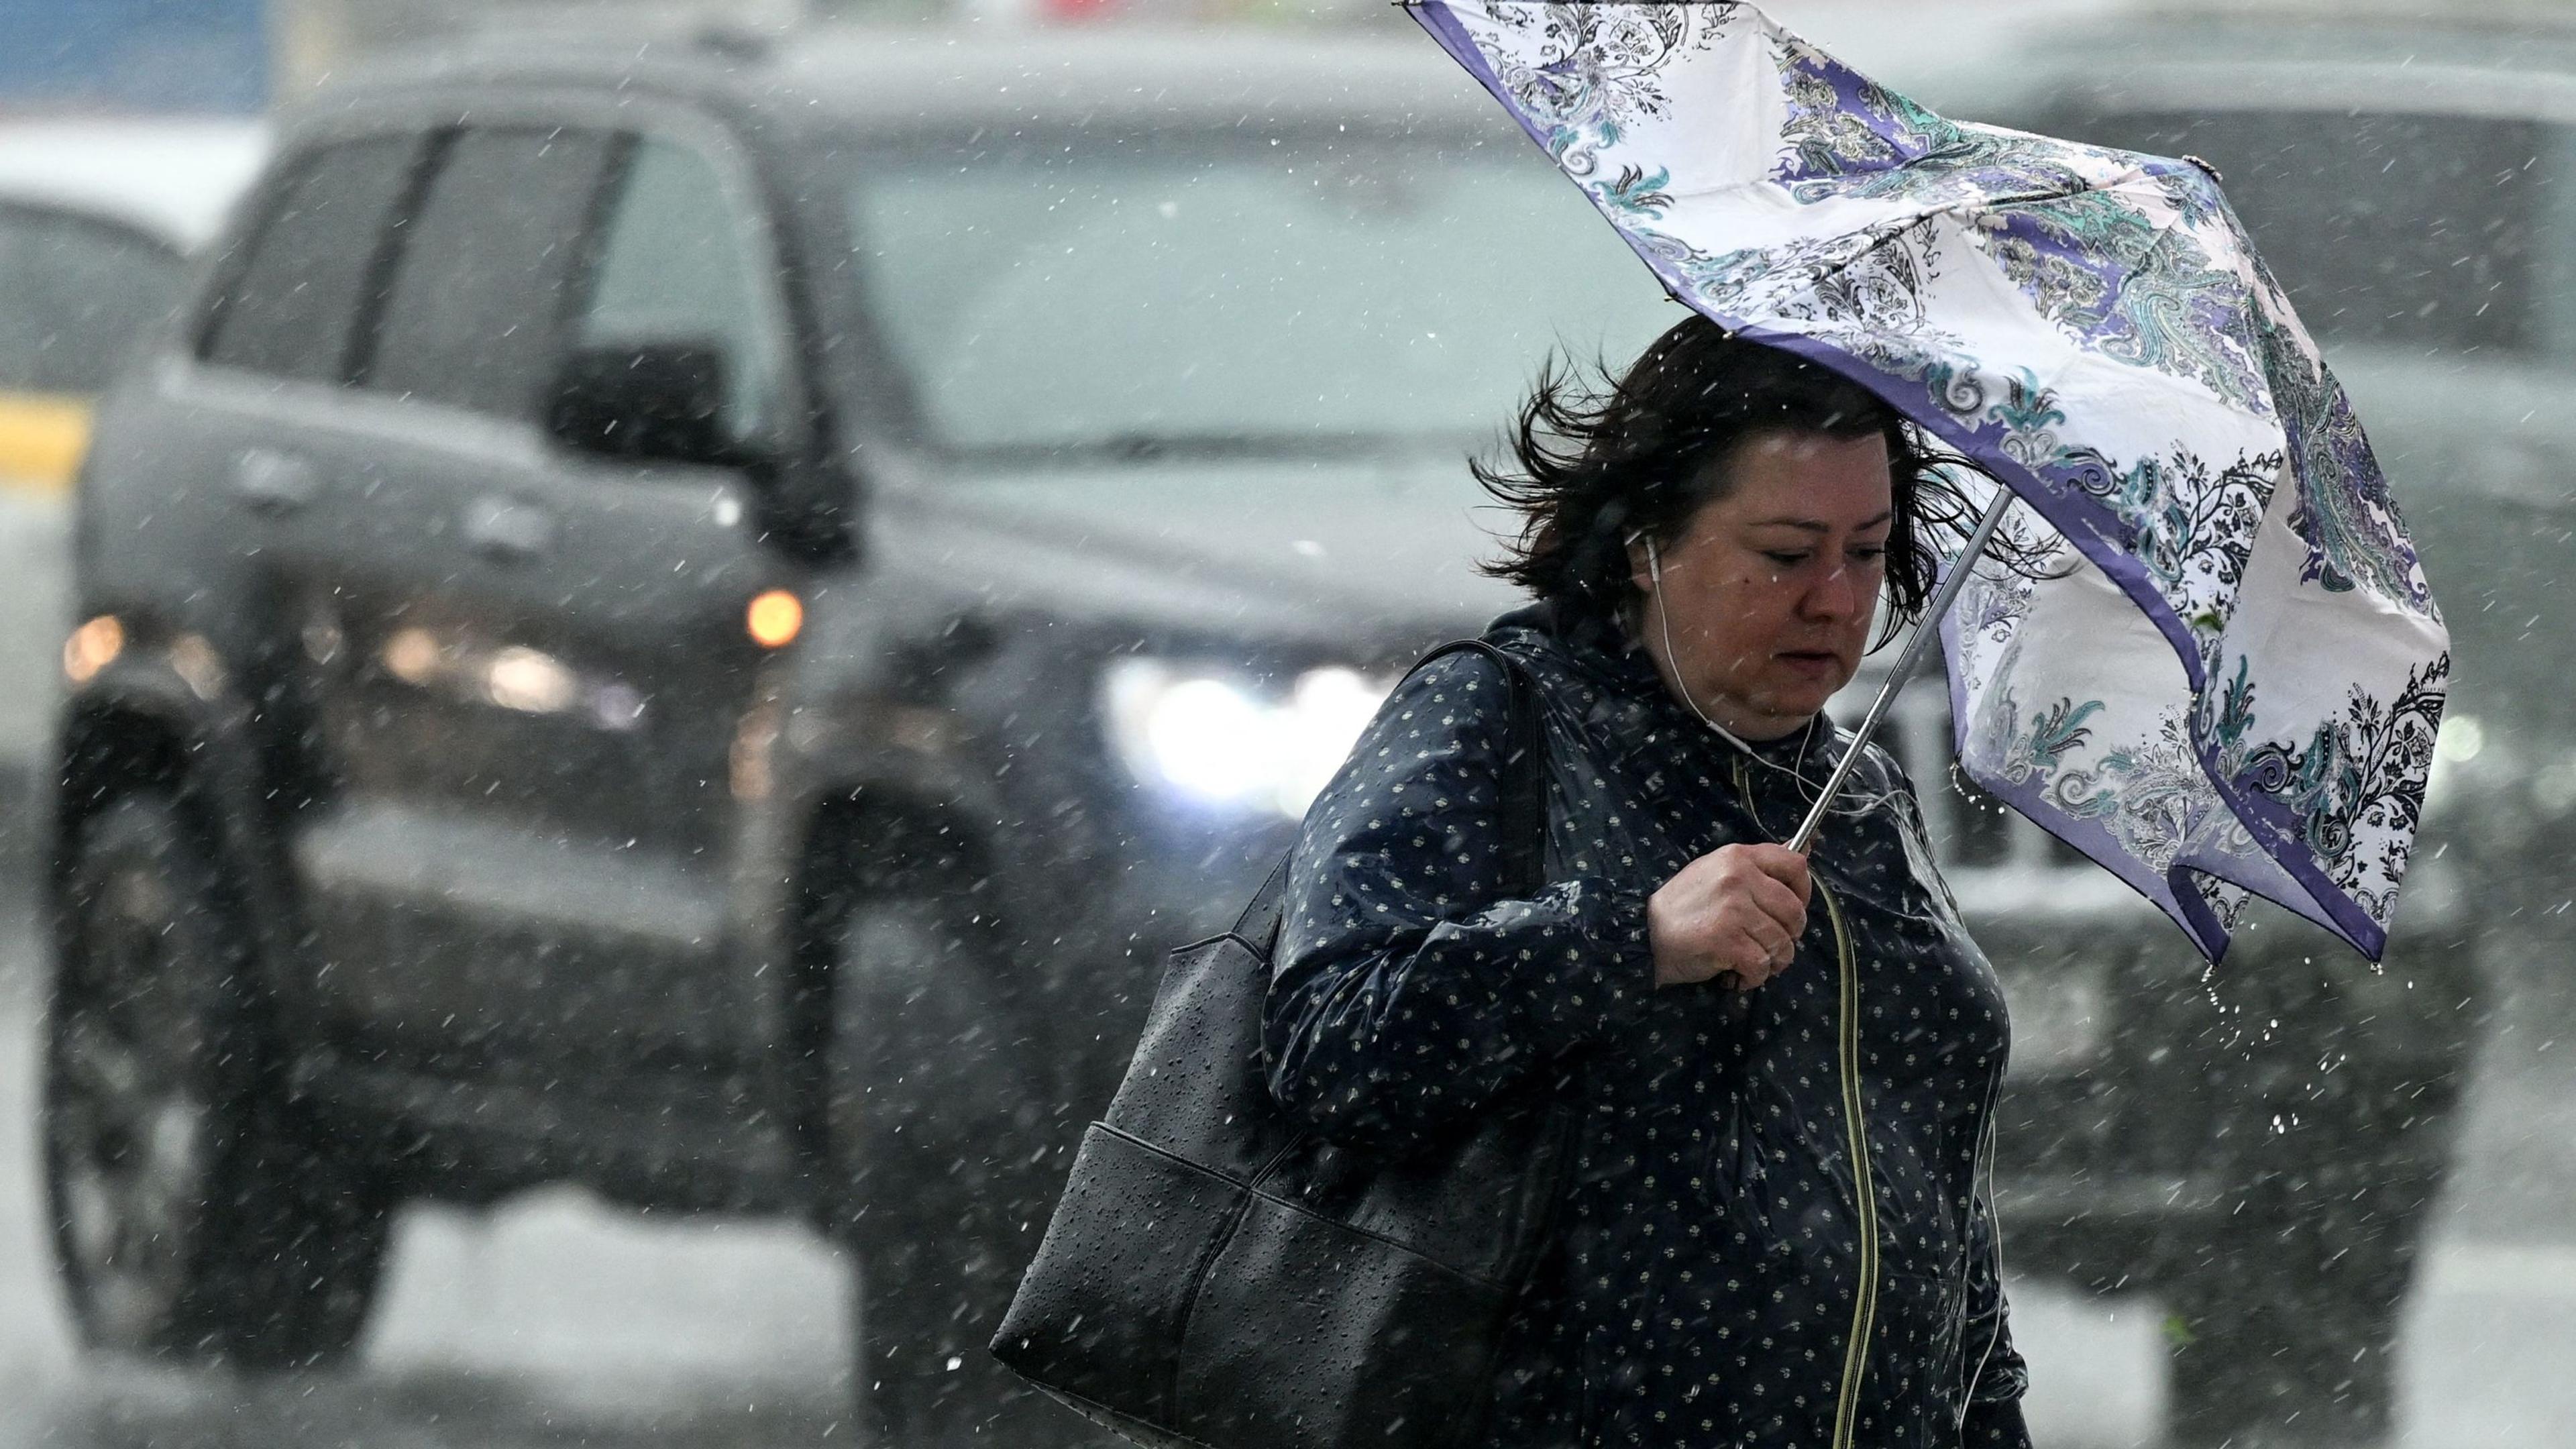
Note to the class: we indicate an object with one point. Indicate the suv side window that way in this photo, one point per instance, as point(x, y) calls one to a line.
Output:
point(289, 308)
point(677, 265)
point(472, 318)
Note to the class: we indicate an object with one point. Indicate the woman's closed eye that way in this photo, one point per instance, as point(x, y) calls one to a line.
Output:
point(1866, 555)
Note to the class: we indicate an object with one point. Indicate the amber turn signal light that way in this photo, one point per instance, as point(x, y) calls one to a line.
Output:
point(775, 618)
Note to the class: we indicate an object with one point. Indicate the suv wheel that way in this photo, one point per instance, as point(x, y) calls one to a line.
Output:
point(195, 1215)
point(932, 1129)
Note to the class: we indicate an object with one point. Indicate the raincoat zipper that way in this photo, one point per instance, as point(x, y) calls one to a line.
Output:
point(1865, 1298)
point(1855, 1127)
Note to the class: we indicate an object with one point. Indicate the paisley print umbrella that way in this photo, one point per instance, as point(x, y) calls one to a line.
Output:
point(2231, 678)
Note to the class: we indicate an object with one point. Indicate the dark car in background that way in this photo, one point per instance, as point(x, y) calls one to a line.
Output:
point(2260, 1142)
point(97, 222)
point(696, 622)
point(99, 218)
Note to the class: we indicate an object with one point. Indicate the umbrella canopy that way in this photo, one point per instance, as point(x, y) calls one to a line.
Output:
point(2232, 679)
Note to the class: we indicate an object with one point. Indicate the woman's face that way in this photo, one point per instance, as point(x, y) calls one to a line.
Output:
point(1769, 589)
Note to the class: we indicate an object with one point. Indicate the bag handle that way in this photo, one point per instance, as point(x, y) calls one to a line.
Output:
point(1524, 802)
point(1524, 799)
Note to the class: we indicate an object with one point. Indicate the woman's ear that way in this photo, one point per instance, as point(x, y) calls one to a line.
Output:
point(1642, 564)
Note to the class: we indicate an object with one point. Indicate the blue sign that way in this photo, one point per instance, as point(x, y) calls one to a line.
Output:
point(163, 56)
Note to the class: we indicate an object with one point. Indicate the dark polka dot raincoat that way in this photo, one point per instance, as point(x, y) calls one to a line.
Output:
point(1777, 1232)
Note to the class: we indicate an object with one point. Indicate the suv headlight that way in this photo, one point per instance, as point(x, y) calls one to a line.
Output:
point(1225, 742)
point(2467, 762)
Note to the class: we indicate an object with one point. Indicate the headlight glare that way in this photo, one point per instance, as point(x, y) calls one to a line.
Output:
point(1227, 743)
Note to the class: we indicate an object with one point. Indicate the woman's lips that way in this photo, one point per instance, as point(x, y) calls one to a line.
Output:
point(1811, 663)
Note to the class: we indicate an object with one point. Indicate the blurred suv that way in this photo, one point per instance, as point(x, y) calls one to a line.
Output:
point(696, 622)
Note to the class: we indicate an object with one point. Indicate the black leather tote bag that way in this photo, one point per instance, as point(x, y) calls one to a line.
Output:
point(1216, 1275)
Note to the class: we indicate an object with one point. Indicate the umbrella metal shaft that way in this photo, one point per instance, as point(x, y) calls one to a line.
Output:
point(1905, 664)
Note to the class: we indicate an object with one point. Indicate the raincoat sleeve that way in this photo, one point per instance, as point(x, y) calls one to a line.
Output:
point(1411, 985)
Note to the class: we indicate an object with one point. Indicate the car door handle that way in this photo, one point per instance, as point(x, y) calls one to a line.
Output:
point(272, 482)
point(507, 531)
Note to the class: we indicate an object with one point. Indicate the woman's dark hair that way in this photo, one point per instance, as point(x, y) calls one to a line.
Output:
point(1596, 466)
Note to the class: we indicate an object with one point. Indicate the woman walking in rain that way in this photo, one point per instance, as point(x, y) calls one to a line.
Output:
point(1784, 1067)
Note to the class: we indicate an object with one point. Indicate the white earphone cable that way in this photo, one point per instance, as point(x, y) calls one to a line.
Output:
point(1810, 789)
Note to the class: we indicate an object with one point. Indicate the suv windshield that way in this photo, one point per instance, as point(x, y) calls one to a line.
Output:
point(1239, 291)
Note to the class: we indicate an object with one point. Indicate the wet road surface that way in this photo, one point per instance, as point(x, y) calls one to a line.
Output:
point(556, 1321)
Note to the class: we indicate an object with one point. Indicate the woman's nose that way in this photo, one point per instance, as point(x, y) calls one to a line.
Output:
point(1834, 597)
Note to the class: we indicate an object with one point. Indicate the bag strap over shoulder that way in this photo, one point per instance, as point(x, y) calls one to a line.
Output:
point(1524, 802)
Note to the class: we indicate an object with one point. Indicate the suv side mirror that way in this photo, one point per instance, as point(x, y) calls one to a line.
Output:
point(645, 400)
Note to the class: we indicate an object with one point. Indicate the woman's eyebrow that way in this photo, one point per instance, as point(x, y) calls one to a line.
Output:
point(1818, 525)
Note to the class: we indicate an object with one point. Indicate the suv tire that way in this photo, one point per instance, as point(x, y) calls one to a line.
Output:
point(196, 1214)
point(932, 1130)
